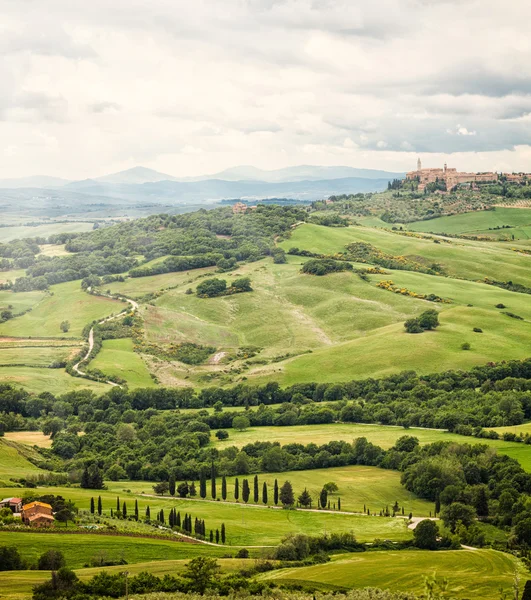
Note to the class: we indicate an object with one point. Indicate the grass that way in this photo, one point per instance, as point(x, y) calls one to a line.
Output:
point(36, 356)
point(358, 485)
point(29, 438)
point(470, 573)
point(19, 232)
point(118, 358)
point(66, 301)
point(384, 436)
point(15, 585)
point(20, 301)
point(476, 222)
point(53, 250)
point(55, 381)
point(14, 462)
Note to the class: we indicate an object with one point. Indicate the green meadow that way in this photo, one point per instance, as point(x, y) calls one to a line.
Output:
point(477, 222)
point(118, 358)
point(55, 381)
point(14, 461)
point(37, 356)
point(384, 436)
point(470, 573)
point(66, 301)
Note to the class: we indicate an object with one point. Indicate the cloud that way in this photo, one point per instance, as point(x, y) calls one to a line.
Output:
point(190, 87)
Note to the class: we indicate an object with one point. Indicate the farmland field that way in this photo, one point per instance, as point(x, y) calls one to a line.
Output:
point(118, 358)
point(19, 232)
point(470, 574)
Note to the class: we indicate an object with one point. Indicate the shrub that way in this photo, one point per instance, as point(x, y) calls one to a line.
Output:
point(500, 305)
point(465, 346)
point(318, 266)
point(51, 560)
point(222, 434)
point(477, 330)
point(211, 288)
point(425, 534)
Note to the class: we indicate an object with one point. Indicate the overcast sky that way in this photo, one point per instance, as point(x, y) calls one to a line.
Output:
point(89, 87)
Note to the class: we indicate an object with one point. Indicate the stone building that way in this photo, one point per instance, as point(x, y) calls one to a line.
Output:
point(37, 514)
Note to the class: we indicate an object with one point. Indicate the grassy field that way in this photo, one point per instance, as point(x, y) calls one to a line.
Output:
point(37, 356)
point(53, 250)
point(11, 275)
point(118, 358)
point(475, 222)
point(16, 585)
point(384, 436)
point(13, 461)
point(67, 301)
point(55, 381)
point(470, 573)
point(19, 302)
point(19, 232)
point(29, 438)
point(461, 258)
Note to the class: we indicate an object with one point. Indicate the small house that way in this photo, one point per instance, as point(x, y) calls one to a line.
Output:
point(37, 514)
point(15, 504)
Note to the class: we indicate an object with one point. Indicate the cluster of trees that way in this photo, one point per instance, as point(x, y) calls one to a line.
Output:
point(194, 240)
point(12, 560)
point(210, 288)
point(324, 266)
point(426, 321)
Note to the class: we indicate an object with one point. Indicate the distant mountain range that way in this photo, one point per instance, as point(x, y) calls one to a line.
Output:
point(141, 185)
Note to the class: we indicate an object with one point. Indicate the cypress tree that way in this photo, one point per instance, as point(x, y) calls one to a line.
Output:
point(170, 518)
point(275, 493)
point(100, 508)
point(217, 536)
point(92, 505)
point(264, 493)
point(211, 535)
point(171, 484)
point(213, 481)
point(192, 490)
point(148, 513)
point(223, 488)
point(223, 533)
point(111, 514)
point(85, 480)
point(196, 526)
point(256, 496)
point(236, 489)
point(202, 486)
point(339, 504)
point(124, 511)
point(178, 519)
point(161, 517)
point(117, 504)
point(136, 510)
point(246, 491)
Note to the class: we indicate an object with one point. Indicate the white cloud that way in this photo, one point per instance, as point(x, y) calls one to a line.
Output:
point(190, 87)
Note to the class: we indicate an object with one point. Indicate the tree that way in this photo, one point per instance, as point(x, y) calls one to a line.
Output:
point(136, 510)
point(148, 513)
point(192, 492)
point(330, 487)
point(211, 288)
point(236, 489)
point(323, 498)
point(425, 535)
point(264, 493)
point(65, 326)
point(286, 494)
point(223, 533)
point(305, 499)
point(339, 504)
point(527, 590)
point(202, 486)
point(217, 536)
point(213, 481)
point(171, 485)
point(92, 509)
point(124, 510)
point(240, 423)
point(161, 488)
point(429, 319)
point(221, 434)
point(246, 491)
point(255, 490)
point(413, 326)
point(223, 488)
point(100, 508)
point(458, 512)
point(183, 489)
point(51, 560)
point(275, 493)
point(243, 284)
point(10, 559)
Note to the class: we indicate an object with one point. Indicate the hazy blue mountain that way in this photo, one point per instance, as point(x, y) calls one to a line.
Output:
point(35, 181)
point(135, 175)
point(211, 190)
point(298, 173)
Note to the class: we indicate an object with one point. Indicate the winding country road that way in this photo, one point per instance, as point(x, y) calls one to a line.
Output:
point(76, 368)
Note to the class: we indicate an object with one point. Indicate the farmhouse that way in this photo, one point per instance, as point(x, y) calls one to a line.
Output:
point(15, 504)
point(37, 514)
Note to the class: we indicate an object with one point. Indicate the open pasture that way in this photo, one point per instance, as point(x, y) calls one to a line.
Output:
point(18, 585)
point(470, 573)
point(33, 356)
point(14, 462)
point(117, 357)
point(29, 438)
point(476, 222)
point(42, 379)
point(461, 258)
point(67, 301)
point(20, 301)
point(384, 436)
point(46, 229)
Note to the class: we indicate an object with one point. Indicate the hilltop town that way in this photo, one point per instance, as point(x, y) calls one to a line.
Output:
point(450, 178)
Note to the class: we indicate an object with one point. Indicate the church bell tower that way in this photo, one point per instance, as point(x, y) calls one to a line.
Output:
point(419, 165)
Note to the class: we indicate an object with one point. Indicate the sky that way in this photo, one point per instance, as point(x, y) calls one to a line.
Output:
point(194, 87)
